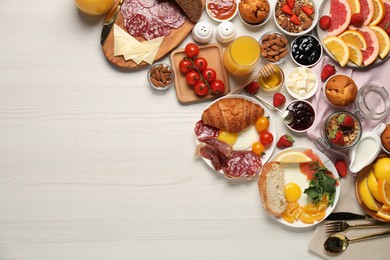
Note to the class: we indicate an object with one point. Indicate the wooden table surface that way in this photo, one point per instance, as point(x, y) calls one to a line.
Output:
point(95, 164)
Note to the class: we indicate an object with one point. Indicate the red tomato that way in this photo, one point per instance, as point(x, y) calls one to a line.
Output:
point(217, 87)
point(191, 50)
point(201, 88)
point(185, 66)
point(200, 63)
point(209, 74)
point(266, 138)
point(192, 77)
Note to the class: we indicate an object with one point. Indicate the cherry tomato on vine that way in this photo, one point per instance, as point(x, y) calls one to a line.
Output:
point(209, 74)
point(262, 124)
point(266, 138)
point(200, 63)
point(201, 88)
point(217, 87)
point(185, 66)
point(191, 50)
point(258, 148)
point(192, 78)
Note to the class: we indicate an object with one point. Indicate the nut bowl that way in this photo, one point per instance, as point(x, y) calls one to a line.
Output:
point(160, 76)
point(254, 24)
point(274, 47)
point(303, 17)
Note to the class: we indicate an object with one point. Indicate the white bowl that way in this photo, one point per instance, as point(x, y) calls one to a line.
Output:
point(217, 19)
point(314, 22)
point(152, 84)
point(292, 51)
point(298, 71)
point(257, 24)
point(299, 117)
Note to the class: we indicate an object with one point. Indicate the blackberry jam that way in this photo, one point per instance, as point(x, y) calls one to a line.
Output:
point(303, 115)
point(306, 50)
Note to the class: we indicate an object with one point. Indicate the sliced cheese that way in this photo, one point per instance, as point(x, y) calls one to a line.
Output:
point(124, 43)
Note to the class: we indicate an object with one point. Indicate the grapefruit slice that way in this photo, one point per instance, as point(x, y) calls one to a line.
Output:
point(338, 48)
point(355, 38)
point(340, 12)
point(379, 12)
point(354, 5)
point(367, 10)
point(355, 55)
point(386, 19)
point(383, 40)
point(371, 53)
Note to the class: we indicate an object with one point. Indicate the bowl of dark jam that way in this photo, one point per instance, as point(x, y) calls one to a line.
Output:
point(303, 116)
point(306, 50)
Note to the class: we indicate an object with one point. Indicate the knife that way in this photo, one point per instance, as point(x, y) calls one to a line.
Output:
point(109, 22)
point(346, 216)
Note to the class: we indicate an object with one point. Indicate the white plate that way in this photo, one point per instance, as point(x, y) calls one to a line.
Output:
point(325, 10)
point(271, 129)
point(295, 168)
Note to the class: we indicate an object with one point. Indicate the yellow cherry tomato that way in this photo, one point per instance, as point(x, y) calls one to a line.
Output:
point(258, 148)
point(262, 124)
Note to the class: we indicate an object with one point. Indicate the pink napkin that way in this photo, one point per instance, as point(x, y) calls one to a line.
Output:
point(379, 75)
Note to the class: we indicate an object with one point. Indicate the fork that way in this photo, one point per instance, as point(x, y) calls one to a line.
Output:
point(341, 226)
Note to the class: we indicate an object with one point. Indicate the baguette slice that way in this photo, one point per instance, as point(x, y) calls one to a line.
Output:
point(192, 8)
point(271, 188)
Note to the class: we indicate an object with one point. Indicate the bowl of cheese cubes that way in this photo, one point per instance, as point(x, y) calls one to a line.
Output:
point(302, 83)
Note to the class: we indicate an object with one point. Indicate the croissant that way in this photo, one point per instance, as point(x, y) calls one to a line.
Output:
point(232, 114)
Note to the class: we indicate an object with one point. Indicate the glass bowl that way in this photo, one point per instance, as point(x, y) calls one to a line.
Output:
point(160, 76)
point(274, 47)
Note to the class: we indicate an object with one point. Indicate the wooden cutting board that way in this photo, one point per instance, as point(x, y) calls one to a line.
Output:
point(169, 43)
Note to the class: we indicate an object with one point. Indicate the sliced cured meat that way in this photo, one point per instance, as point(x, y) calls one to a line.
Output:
point(221, 147)
point(127, 9)
point(168, 12)
point(147, 3)
point(210, 153)
point(204, 132)
point(137, 25)
point(157, 28)
point(309, 168)
point(179, 22)
point(237, 165)
point(254, 163)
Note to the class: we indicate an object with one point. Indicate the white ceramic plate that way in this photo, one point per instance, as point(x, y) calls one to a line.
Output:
point(294, 169)
point(271, 129)
point(325, 10)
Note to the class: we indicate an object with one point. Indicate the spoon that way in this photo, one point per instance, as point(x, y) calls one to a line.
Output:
point(338, 243)
point(287, 115)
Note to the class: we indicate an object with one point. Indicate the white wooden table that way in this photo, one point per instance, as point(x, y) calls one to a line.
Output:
point(95, 164)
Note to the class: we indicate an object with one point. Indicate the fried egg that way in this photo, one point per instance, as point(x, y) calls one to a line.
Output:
point(295, 182)
point(242, 140)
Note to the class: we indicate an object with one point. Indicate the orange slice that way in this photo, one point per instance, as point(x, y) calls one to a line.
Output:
point(384, 213)
point(384, 191)
point(379, 12)
point(355, 6)
point(355, 55)
point(338, 48)
point(355, 38)
point(383, 39)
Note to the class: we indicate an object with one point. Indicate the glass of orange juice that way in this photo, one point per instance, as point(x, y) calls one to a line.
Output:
point(94, 7)
point(241, 56)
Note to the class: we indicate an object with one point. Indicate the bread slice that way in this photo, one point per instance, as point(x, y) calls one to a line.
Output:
point(271, 188)
point(192, 8)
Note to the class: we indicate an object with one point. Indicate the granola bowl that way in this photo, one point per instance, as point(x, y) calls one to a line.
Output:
point(295, 19)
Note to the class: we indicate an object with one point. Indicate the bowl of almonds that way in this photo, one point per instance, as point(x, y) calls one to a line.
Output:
point(274, 47)
point(160, 76)
point(295, 17)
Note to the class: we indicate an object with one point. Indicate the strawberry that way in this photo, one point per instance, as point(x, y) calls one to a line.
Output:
point(285, 141)
point(295, 20)
point(337, 137)
point(286, 9)
point(357, 19)
point(346, 121)
point(291, 3)
point(279, 99)
point(341, 167)
point(327, 71)
point(387, 28)
point(307, 10)
point(253, 87)
point(325, 22)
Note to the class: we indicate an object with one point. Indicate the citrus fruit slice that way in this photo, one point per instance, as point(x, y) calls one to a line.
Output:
point(384, 213)
point(340, 12)
point(379, 12)
point(383, 40)
point(355, 38)
point(373, 185)
point(366, 196)
point(338, 48)
point(386, 19)
point(367, 10)
point(293, 157)
point(371, 52)
point(355, 55)
point(354, 5)
point(382, 168)
point(384, 191)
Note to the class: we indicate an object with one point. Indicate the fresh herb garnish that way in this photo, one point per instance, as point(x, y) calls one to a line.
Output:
point(321, 184)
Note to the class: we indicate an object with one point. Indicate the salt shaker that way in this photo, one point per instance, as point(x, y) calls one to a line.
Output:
point(226, 32)
point(202, 32)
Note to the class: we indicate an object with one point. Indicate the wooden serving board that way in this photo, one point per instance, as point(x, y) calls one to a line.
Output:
point(213, 54)
point(169, 43)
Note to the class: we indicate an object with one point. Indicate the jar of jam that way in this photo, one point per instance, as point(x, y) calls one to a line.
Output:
point(221, 10)
point(303, 116)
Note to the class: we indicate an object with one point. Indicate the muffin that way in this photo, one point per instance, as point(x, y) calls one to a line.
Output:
point(340, 90)
point(254, 11)
point(385, 138)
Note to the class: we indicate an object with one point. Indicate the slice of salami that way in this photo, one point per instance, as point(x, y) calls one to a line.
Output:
point(127, 9)
point(237, 165)
point(147, 3)
point(168, 12)
point(254, 163)
point(137, 25)
point(204, 132)
point(179, 22)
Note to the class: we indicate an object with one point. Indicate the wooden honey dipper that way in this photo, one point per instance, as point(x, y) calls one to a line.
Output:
point(265, 71)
